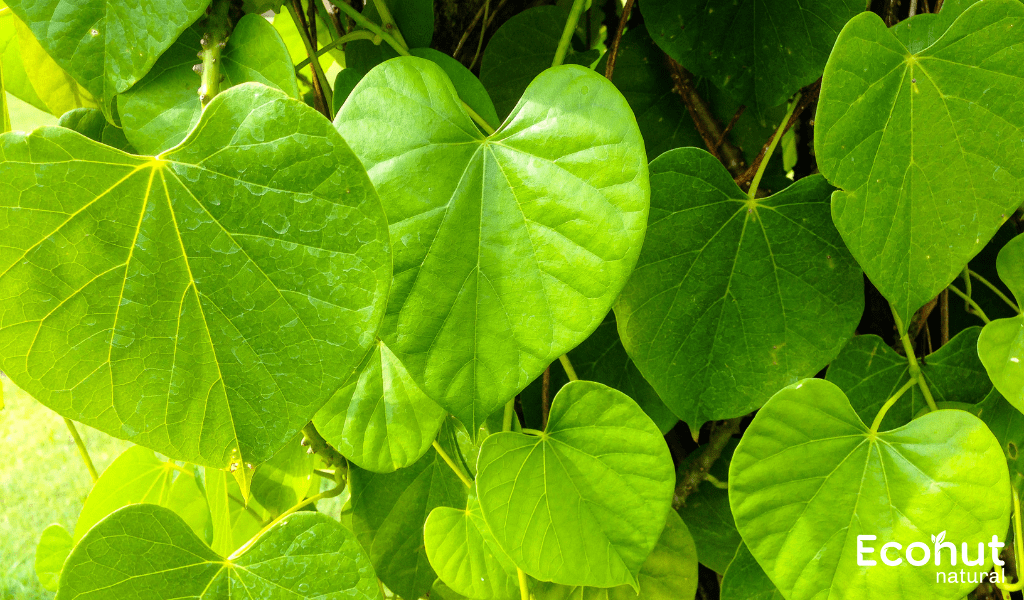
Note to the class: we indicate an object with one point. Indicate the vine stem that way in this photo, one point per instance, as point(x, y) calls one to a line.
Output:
point(389, 22)
point(218, 26)
point(888, 404)
point(320, 85)
point(510, 411)
point(570, 27)
point(613, 52)
point(365, 23)
point(524, 585)
point(348, 37)
point(458, 470)
point(82, 450)
point(972, 306)
point(700, 467)
point(1018, 548)
point(710, 130)
point(781, 131)
point(995, 290)
point(483, 30)
point(564, 359)
point(319, 446)
point(914, 366)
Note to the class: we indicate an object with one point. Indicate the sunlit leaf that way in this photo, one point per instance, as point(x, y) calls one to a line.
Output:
point(55, 544)
point(1001, 345)
point(286, 479)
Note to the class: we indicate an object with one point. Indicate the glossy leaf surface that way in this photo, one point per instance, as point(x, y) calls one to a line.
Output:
point(758, 294)
point(808, 477)
point(582, 504)
point(920, 129)
point(148, 551)
point(1001, 345)
point(509, 249)
point(204, 304)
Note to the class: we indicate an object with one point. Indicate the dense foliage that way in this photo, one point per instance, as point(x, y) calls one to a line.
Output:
point(564, 301)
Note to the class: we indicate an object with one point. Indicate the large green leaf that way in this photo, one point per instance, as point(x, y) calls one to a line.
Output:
point(921, 138)
point(465, 555)
point(55, 544)
point(1001, 344)
point(583, 503)
point(808, 478)
point(383, 421)
point(869, 372)
point(509, 248)
point(388, 513)
point(107, 46)
point(760, 51)
point(145, 551)
point(205, 303)
point(746, 580)
point(708, 516)
point(756, 295)
point(669, 573)
point(159, 111)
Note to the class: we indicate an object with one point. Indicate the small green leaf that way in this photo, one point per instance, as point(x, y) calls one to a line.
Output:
point(388, 513)
point(55, 544)
point(1001, 345)
point(204, 304)
point(709, 517)
point(285, 479)
point(106, 49)
point(509, 249)
point(148, 551)
point(759, 293)
point(383, 421)
point(583, 503)
point(808, 478)
point(164, 106)
point(669, 573)
point(923, 139)
point(465, 555)
point(1007, 424)
point(869, 372)
point(760, 51)
point(746, 580)
point(91, 123)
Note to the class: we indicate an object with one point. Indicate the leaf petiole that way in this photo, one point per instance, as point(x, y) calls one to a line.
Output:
point(524, 585)
point(1018, 547)
point(972, 306)
point(570, 28)
point(365, 23)
point(756, 181)
point(995, 290)
point(888, 404)
point(348, 37)
point(564, 359)
point(389, 22)
point(82, 450)
point(458, 471)
point(914, 366)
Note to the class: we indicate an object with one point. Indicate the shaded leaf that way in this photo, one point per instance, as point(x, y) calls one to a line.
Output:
point(808, 478)
point(55, 544)
point(1001, 344)
point(204, 304)
point(91, 123)
point(746, 580)
point(758, 294)
point(708, 516)
point(285, 479)
point(509, 249)
point(1007, 423)
point(583, 503)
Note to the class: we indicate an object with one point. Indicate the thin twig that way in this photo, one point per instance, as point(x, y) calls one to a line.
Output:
point(483, 30)
point(808, 96)
point(469, 29)
point(323, 103)
point(728, 128)
point(704, 119)
point(697, 470)
point(921, 317)
point(545, 397)
point(944, 318)
point(614, 50)
point(913, 8)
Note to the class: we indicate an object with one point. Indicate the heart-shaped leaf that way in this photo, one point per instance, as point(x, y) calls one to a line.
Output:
point(204, 303)
point(383, 421)
point(869, 372)
point(465, 555)
point(746, 580)
point(148, 551)
point(669, 573)
point(509, 248)
point(808, 478)
point(584, 502)
point(107, 48)
point(388, 513)
point(760, 51)
point(1001, 344)
point(719, 319)
point(159, 110)
point(920, 132)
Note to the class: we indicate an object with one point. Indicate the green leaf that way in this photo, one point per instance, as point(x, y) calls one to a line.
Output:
point(188, 501)
point(55, 544)
point(520, 50)
point(465, 556)
point(344, 83)
point(758, 294)
point(467, 86)
point(1001, 344)
point(669, 573)
point(1007, 423)
point(709, 517)
point(106, 48)
point(285, 479)
point(135, 476)
point(91, 123)
point(808, 478)
point(870, 372)
point(388, 513)
point(383, 421)
point(164, 106)
point(509, 249)
point(759, 52)
point(923, 140)
point(56, 90)
point(5, 117)
point(414, 19)
point(148, 551)
point(746, 580)
point(217, 488)
point(16, 80)
point(583, 503)
point(235, 286)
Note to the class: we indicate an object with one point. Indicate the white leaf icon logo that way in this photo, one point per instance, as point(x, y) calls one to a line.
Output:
point(937, 539)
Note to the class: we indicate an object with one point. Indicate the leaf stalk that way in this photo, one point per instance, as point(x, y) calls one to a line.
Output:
point(756, 181)
point(82, 450)
point(570, 28)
